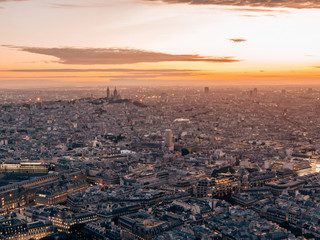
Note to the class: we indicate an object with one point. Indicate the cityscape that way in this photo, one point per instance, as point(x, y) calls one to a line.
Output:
point(159, 120)
point(160, 163)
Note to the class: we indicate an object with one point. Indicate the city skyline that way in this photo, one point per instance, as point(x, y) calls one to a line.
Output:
point(145, 41)
point(159, 120)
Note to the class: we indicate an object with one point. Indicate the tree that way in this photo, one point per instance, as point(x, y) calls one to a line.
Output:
point(184, 151)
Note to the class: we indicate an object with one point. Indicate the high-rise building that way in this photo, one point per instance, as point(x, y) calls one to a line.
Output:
point(255, 92)
point(168, 139)
point(206, 90)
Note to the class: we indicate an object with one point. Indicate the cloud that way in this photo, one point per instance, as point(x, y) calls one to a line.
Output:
point(91, 56)
point(257, 10)
point(58, 5)
point(248, 15)
point(299, 4)
point(237, 40)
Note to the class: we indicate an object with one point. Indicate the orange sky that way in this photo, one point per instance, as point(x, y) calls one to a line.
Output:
point(132, 40)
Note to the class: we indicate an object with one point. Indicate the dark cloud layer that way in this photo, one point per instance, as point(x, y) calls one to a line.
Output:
point(91, 56)
point(252, 3)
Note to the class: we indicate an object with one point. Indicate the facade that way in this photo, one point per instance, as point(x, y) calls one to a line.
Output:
point(16, 229)
point(65, 220)
point(218, 187)
point(25, 167)
point(22, 193)
point(143, 225)
point(289, 185)
point(59, 196)
point(39, 230)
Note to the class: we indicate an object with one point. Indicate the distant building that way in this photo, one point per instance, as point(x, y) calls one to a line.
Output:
point(101, 230)
point(217, 187)
point(20, 194)
point(65, 220)
point(115, 93)
point(143, 225)
point(113, 96)
point(255, 92)
point(289, 185)
point(17, 229)
point(164, 97)
point(108, 93)
point(26, 167)
point(51, 197)
point(206, 90)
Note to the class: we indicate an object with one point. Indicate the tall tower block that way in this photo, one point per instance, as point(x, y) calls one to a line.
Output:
point(168, 139)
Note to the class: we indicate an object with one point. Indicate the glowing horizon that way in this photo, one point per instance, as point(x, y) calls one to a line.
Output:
point(165, 40)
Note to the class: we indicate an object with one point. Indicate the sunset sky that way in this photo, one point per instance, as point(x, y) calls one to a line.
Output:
point(236, 41)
